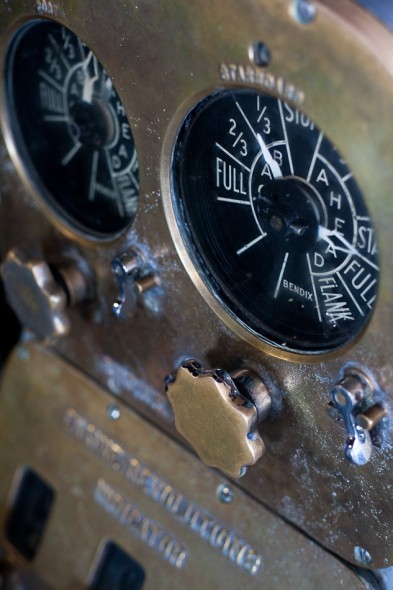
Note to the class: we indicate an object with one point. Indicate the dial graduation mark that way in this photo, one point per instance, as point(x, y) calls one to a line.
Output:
point(274, 221)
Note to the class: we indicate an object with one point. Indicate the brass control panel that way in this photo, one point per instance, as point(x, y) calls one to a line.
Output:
point(195, 237)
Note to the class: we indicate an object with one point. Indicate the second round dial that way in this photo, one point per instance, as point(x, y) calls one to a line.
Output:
point(274, 221)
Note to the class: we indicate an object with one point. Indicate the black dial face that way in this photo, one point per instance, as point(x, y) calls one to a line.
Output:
point(274, 221)
point(70, 129)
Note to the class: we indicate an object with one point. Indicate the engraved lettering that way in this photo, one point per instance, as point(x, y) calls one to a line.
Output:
point(335, 304)
point(125, 131)
point(338, 223)
point(116, 162)
point(319, 260)
point(50, 98)
point(120, 109)
point(123, 151)
point(277, 156)
point(266, 172)
point(335, 200)
point(296, 117)
point(202, 523)
point(366, 239)
point(322, 177)
point(46, 7)
point(251, 562)
point(133, 519)
point(298, 290)
point(361, 280)
point(252, 75)
point(128, 190)
point(229, 177)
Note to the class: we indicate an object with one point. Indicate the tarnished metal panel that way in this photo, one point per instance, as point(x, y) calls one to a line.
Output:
point(163, 57)
point(123, 480)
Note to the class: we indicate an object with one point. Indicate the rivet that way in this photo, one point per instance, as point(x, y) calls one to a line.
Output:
point(225, 493)
point(362, 555)
point(259, 54)
point(303, 11)
point(113, 412)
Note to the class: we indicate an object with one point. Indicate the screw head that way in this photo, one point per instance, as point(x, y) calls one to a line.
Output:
point(225, 493)
point(362, 556)
point(303, 11)
point(259, 54)
point(113, 412)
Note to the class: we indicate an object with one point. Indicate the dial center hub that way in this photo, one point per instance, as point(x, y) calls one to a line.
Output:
point(91, 123)
point(288, 210)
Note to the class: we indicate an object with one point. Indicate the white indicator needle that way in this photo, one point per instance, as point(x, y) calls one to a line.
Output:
point(326, 234)
point(347, 248)
point(270, 161)
point(88, 80)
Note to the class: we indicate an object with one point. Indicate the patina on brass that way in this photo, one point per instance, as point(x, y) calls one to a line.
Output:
point(163, 57)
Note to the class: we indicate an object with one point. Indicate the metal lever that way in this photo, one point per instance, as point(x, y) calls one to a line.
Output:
point(348, 397)
point(133, 279)
point(358, 446)
point(125, 267)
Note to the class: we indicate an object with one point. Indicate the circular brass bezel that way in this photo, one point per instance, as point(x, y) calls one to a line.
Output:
point(189, 259)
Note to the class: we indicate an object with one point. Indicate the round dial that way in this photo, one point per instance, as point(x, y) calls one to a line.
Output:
point(274, 221)
point(70, 129)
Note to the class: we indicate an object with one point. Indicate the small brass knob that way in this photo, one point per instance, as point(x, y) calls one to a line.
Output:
point(218, 415)
point(38, 300)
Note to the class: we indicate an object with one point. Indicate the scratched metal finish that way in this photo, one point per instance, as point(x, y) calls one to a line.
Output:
point(111, 482)
point(160, 55)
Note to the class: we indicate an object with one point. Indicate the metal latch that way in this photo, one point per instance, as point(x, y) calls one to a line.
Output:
point(354, 398)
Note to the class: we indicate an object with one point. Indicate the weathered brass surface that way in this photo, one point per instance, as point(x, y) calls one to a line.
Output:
point(163, 57)
point(126, 481)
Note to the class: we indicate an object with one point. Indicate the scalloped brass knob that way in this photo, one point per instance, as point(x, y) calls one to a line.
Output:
point(218, 414)
point(38, 300)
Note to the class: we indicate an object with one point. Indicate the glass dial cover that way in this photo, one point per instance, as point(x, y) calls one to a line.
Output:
point(70, 129)
point(274, 221)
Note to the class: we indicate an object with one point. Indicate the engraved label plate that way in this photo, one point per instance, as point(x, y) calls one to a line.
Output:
point(126, 481)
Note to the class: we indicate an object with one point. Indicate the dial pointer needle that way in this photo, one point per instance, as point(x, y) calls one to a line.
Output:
point(89, 81)
point(326, 234)
point(271, 162)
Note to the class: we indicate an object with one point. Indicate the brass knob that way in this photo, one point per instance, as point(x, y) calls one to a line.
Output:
point(36, 297)
point(218, 414)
